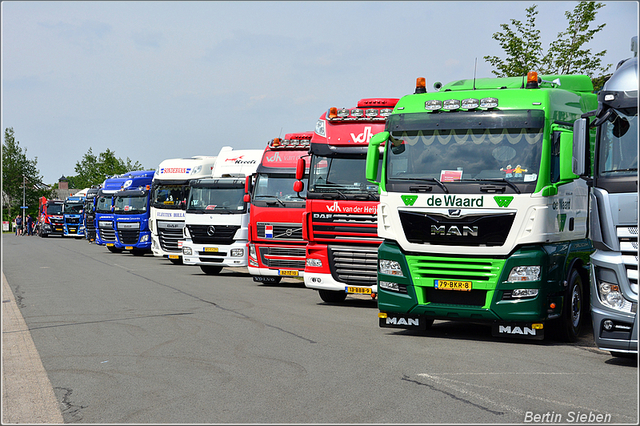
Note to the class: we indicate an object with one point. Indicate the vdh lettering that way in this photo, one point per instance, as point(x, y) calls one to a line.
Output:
point(454, 201)
point(467, 231)
point(403, 321)
point(335, 207)
point(516, 330)
point(275, 157)
point(363, 137)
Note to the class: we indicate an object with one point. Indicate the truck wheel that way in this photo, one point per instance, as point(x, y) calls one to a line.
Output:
point(115, 249)
point(331, 296)
point(211, 270)
point(573, 309)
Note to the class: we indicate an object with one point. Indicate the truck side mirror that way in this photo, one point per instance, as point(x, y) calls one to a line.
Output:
point(300, 167)
point(373, 155)
point(566, 157)
point(298, 186)
point(580, 139)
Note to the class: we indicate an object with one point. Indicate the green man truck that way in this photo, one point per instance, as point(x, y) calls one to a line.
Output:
point(481, 216)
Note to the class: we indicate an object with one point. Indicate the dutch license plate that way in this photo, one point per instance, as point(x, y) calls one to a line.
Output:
point(359, 290)
point(128, 248)
point(174, 256)
point(289, 273)
point(452, 285)
point(110, 244)
point(211, 249)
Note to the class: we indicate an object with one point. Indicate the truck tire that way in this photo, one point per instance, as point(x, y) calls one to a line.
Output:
point(573, 309)
point(211, 270)
point(331, 296)
point(115, 249)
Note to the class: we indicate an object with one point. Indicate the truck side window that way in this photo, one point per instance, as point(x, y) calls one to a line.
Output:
point(555, 157)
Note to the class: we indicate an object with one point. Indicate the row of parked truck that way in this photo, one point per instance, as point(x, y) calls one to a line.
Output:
point(510, 201)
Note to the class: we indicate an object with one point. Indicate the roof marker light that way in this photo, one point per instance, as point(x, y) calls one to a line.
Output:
point(451, 104)
point(357, 112)
point(488, 103)
point(385, 112)
point(371, 112)
point(343, 112)
point(433, 105)
point(470, 103)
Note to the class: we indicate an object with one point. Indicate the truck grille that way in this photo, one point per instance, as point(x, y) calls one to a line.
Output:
point(283, 257)
point(169, 238)
point(628, 238)
point(72, 220)
point(426, 269)
point(354, 265)
point(220, 234)
point(280, 231)
point(346, 228)
point(427, 228)
point(107, 234)
point(129, 237)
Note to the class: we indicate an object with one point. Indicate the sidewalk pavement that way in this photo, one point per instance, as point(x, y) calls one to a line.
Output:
point(27, 394)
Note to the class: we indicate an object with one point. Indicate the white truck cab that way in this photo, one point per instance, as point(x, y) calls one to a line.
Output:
point(169, 193)
point(217, 213)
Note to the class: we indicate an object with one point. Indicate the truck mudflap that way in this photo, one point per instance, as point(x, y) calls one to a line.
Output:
point(393, 320)
point(521, 330)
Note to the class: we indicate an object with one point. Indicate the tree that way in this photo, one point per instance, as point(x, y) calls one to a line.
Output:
point(566, 55)
point(92, 170)
point(20, 177)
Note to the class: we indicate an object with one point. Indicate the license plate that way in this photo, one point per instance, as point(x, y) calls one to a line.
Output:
point(289, 273)
point(58, 229)
point(110, 244)
point(128, 248)
point(359, 290)
point(174, 256)
point(211, 249)
point(452, 285)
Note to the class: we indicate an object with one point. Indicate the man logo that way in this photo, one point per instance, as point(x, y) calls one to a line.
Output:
point(211, 230)
point(455, 212)
point(414, 322)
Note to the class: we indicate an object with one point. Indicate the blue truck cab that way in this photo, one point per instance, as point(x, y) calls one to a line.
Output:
point(131, 212)
point(73, 217)
point(104, 217)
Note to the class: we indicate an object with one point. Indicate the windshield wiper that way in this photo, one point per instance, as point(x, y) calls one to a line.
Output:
point(511, 184)
point(621, 170)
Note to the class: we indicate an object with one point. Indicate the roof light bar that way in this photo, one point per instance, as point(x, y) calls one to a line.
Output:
point(433, 105)
point(451, 104)
point(470, 103)
point(488, 103)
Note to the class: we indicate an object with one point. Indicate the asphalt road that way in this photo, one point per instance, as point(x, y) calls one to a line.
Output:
point(126, 339)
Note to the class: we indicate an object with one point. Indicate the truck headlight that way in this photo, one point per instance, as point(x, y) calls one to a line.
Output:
point(186, 251)
point(524, 273)
point(610, 295)
point(390, 267)
point(314, 263)
point(252, 251)
point(237, 252)
point(389, 286)
point(144, 238)
point(524, 293)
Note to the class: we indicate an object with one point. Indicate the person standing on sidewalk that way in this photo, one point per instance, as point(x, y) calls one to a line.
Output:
point(19, 225)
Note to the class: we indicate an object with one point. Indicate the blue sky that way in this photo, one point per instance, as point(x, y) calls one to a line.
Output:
point(157, 80)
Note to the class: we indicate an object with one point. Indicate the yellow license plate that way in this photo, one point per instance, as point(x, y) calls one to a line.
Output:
point(452, 285)
point(289, 273)
point(174, 256)
point(128, 248)
point(359, 290)
point(110, 244)
point(211, 249)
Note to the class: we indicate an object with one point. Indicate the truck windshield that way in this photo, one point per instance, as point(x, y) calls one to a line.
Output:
point(217, 200)
point(130, 204)
point(271, 187)
point(618, 150)
point(74, 208)
point(449, 147)
point(165, 196)
point(54, 209)
point(103, 205)
point(341, 175)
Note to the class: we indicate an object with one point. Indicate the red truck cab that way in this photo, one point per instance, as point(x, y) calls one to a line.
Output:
point(276, 246)
point(340, 218)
